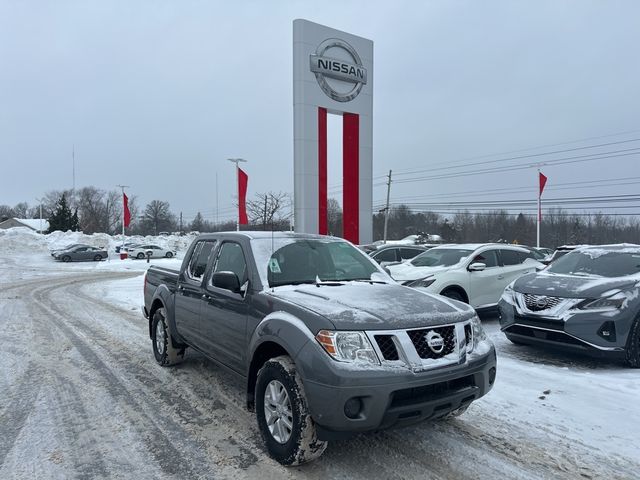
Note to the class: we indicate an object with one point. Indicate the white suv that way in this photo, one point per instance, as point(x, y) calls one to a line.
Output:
point(473, 273)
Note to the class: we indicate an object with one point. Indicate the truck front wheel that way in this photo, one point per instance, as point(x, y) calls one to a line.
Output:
point(166, 354)
point(283, 414)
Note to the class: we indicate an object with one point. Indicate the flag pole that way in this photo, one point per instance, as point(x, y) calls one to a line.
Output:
point(123, 187)
point(539, 213)
point(237, 161)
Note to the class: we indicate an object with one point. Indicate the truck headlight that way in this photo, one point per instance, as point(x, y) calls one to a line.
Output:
point(479, 334)
point(351, 347)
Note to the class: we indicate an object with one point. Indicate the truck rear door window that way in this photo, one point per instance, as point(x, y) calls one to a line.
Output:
point(199, 259)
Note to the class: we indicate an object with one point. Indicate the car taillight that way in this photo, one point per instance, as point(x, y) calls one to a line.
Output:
point(144, 289)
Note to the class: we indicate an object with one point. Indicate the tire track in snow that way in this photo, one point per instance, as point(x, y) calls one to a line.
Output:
point(159, 443)
point(14, 416)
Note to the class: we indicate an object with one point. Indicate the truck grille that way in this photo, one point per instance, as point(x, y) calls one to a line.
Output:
point(387, 347)
point(427, 341)
point(537, 303)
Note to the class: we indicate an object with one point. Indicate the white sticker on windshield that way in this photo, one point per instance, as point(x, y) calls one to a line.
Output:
point(274, 266)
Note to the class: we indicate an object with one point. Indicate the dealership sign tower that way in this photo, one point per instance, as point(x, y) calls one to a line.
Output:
point(332, 74)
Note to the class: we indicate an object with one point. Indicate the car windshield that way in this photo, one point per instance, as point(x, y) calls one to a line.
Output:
point(603, 263)
point(293, 261)
point(440, 257)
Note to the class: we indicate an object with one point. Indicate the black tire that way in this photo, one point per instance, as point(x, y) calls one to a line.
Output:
point(169, 255)
point(632, 353)
point(163, 350)
point(302, 444)
point(454, 294)
point(140, 256)
point(97, 258)
point(66, 259)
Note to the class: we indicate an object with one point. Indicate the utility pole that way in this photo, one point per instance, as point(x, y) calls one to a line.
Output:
point(237, 161)
point(386, 210)
point(122, 187)
point(181, 223)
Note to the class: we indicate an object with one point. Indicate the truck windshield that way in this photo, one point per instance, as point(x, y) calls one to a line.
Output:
point(293, 261)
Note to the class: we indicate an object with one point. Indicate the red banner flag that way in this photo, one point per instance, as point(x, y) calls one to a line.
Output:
point(243, 180)
point(543, 182)
point(127, 213)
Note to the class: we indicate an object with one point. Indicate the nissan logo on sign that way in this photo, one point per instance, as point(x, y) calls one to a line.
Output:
point(338, 70)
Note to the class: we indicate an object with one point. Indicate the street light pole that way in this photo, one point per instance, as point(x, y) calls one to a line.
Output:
point(39, 200)
point(237, 161)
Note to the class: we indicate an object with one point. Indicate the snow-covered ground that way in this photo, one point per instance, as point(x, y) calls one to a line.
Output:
point(80, 395)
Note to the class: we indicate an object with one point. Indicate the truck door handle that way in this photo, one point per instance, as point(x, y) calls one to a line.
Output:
point(500, 277)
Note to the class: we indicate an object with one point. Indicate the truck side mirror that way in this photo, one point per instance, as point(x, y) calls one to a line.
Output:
point(226, 280)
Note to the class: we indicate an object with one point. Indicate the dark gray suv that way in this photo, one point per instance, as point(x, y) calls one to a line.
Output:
point(588, 301)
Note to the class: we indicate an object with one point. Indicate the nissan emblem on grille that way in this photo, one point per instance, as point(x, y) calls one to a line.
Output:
point(536, 303)
point(434, 341)
point(541, 303)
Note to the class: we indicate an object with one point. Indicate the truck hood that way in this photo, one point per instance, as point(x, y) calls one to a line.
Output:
point(406, 271)
point(365, 306)
point(571, 286)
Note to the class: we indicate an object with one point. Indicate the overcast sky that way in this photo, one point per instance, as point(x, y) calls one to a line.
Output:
point(157, 94)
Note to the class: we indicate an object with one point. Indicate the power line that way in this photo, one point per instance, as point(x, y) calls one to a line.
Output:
point(528, 149)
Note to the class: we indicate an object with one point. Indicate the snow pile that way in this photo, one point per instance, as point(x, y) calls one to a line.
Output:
point(22, 239)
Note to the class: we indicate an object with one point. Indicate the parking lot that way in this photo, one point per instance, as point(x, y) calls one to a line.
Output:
point(82, 397)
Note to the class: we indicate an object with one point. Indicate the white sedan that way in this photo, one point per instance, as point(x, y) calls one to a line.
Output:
point(154, 251)
point(476, 274)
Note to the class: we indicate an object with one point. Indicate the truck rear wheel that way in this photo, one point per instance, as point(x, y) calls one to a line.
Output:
point(286, 426)
point(163, 350)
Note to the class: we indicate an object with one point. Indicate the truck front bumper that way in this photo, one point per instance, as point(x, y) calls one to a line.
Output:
point(392, 397)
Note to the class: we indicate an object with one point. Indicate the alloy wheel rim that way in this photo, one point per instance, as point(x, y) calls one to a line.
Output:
point(160, 338)
point(277, 411)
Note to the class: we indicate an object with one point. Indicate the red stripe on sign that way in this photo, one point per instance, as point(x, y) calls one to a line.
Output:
point(323, 224)
point(351, 176)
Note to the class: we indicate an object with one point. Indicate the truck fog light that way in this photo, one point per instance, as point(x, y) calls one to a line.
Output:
point(492, 375)
point(352, 407)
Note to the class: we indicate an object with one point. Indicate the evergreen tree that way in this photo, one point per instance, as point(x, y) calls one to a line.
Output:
point(62, 219)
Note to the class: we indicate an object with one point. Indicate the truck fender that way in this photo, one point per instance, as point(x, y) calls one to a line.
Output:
point(163, 297)
point(279, 333)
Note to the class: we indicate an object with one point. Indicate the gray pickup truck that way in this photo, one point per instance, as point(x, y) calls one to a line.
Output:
point(328, 343)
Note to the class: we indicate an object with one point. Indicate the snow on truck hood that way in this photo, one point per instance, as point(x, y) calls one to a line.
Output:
point(365, 306)
point(572, 286)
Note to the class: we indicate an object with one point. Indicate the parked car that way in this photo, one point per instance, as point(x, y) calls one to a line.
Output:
point(388, 254)
point(327, 343)
point(141, 251)
point(80, 253)
point(126, 246)
point(472, 273)
point(587, 301)
point(68, 247)
point(560, 252)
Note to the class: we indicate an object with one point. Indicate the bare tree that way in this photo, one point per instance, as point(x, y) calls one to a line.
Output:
point(268, 210)
point(20, 210)
point(334, 217)
point(157, 216)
